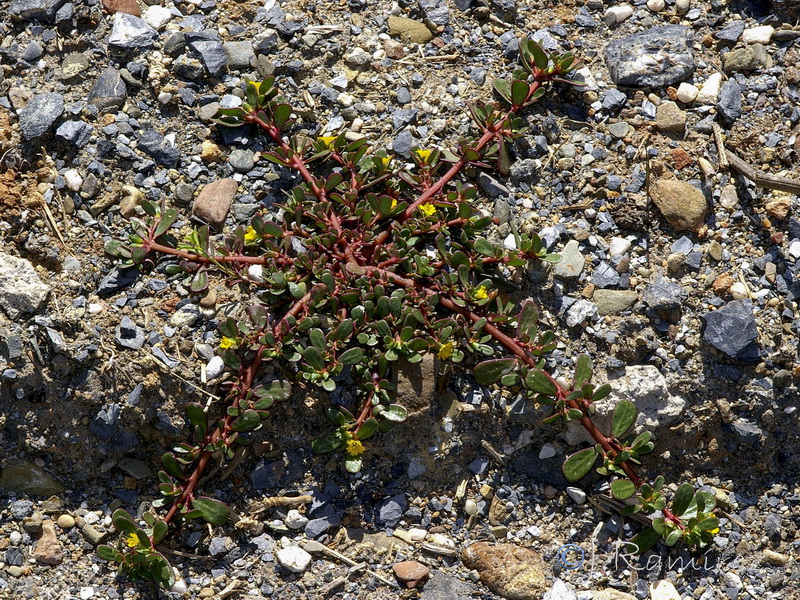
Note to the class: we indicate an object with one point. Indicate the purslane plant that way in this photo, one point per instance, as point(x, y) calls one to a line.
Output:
point(370, 262)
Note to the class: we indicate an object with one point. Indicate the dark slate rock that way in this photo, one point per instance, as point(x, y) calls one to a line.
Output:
point(187, 67)
point(446, 587)
point(65, 13)
point(129, 32)
point(32, 52)
point(390, 511)
point(14, 556)
point(104, 425)
point(36, 117)
point(605, 276)
point(746, 431)
point(116, 280)
point(731, 32)
point(39, 10)
point(158, 148)
point(664, 294)
point(403, 143)
point(124, 441)
point(403, 96)
point(316, 527)
point(732, 330)
point(773, 525)
point(404, 116)
point(209, 47)
point(77, 133)
point(730, 101)
point(175, 44)
point(655, 57)
point(129, 335)
point(614, 100)
point(267, 475)
point(109, 90)
point(170, 363)
point(436, 11)
point(492, 186)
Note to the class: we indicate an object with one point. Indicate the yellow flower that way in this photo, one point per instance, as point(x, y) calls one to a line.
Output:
point(394, 204)
point(423, 155)
point(250, 235)
point(354, 447)
point(327, 140)
point(132, 540)
point(382, 161)
point(714, 531)
point(446, 350)
point(427, 209)
point(481, 293)
point(227, 342)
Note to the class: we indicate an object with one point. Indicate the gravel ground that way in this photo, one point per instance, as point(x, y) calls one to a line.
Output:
point(680, 278)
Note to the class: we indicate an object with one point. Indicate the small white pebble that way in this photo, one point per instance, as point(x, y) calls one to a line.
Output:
point(214, 368)
point(758, 35)
point(165, 97)
point(295, 519)
point(687, 92)
point(73, 179)
point(442, 541)
point(91, 518)
point(256, 273)
point(180, 586)
point(617, 14)
point(547, 451)
point(293, 558)
point(656, 6)
point(739, 291)
point(618, 245)
point(95, 309)
point(416, 534)
point(86, 593)
point(470, 507)
point(682, 6)
point(710, 90)
point(577, 494)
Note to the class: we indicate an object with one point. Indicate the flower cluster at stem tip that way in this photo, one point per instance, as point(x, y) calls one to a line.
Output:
point(354, 447)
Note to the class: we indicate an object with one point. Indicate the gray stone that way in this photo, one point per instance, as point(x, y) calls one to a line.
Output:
point(73, 64)
point(219, 545)
point(76, 133)
point(390, 511)
point(663, 295)
point(267, 475)
point(104, 425)
point(436, 11)
point(572, 262)
point(188, 67)
point(242, 160)
point(109, 90)
point(732, 330)
point(131, 32)
point(135, 468)
point(36, 117)
point(441, 586)
point(129, 335)
point(32, 52)
point(403, 143)
point(39, 10)
point(158, 148)
point(731, 32)
point(604, 276)
point(730, 101)
point(116, 280)
point(492, 186)
point(316, 527)
point(656, 57)
point(209, 47)
point(239, 54)
point(580, 311)
point(15, 556)
point(772, 526)
point(614, 100)
point(21, 509)
point(266, 42)
point(619, 130)
point(21, 290)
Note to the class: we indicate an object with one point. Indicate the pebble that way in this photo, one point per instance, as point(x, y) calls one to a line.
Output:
point(108, 91)
point(732, 330)
point(242, 160)
point(412, 573)
point(758, 35)
point(21, 289)
point(682, 6)
point(687, 93)
point(577, 494)
point(656, 57)
point(730, 101)
point(572, 262)
point(709, 91)
point(129, 31)
point(214, 201)
point(680, 203)
point(66, 521)
point(617, 14)
point(663, 590)
point(670, 118)
point(36, 117)
point(48, 550)
point(507, 570)
point(656, 6)
point(293, 558)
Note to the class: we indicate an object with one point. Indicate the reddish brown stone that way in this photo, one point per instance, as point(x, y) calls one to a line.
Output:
point(681, 158)
point(214, 201)
point(130, 7)
point(411, 573)
point(48, 549)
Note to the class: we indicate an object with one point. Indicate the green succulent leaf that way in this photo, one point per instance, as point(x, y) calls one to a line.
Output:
point(247, 421)
point(123, 521)
point(583, 371)
point(538, 381)
point(682, 499)
point(326, 444)
point(160, 530)
point(211, 510)
point(624, 417)
point(579, 464)
point(645, 539)
point(622, 488)
point(490, 371)
point(106, 552)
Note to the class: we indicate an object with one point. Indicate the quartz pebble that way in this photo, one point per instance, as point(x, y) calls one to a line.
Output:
point(758, 35)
